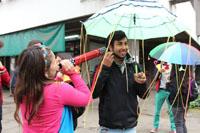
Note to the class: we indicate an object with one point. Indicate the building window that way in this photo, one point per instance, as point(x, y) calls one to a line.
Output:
point(73, 47)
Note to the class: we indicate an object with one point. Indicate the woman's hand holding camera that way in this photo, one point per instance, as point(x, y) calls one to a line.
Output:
point(67, 67)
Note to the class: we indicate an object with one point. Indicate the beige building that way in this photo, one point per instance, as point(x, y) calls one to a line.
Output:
point(21, 15)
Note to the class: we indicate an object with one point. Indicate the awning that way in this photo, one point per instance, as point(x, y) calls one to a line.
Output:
point(52, 36)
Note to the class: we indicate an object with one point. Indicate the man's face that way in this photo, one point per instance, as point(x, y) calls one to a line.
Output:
point(120, 48)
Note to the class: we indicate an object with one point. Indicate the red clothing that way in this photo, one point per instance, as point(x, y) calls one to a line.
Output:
point(158, 80)
point(4, 80)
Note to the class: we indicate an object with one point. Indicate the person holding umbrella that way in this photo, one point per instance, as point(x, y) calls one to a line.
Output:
point(15, 72)
point(162, 94)
point(182, 80)
point(180, 96)
point(118, 86)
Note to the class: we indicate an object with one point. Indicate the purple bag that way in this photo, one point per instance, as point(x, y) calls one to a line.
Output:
point(193, 90)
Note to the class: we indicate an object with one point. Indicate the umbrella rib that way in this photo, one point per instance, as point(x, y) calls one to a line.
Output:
point(164, 23)
point(151, 26)
point(176, 26)
point(128, 4)
point(176, 53)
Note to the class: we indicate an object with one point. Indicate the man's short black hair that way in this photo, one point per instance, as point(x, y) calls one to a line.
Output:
point(116, 35)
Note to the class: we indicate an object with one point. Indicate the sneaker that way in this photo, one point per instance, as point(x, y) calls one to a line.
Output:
point(154, 130)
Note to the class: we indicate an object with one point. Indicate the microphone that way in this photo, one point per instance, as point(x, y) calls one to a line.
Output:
point(86, 56)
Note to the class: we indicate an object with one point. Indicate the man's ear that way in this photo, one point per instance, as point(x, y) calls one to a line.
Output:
point(110, 48)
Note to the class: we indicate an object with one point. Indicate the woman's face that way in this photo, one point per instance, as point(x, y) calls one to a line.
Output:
point(54, 67)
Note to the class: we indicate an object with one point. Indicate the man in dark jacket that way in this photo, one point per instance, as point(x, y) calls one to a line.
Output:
point(118, 85)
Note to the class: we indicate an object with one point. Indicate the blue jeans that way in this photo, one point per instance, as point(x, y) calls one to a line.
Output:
point(108, 130)
point(179, 119)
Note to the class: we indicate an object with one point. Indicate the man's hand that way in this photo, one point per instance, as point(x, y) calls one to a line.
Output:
point(160, 68)
point(140, 77)
point(109, 58)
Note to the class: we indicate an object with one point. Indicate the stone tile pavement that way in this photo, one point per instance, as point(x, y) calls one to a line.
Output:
point(88, 123)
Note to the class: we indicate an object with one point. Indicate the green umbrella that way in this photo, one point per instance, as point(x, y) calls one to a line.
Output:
point(139, 19)
point(158, 51)
point(176, 53)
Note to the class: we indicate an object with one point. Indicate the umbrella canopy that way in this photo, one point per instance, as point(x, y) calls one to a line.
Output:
point(176, 53)
point(139, 19)
point(158, 51)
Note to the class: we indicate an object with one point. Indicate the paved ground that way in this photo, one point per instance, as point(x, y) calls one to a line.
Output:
point(88, 123)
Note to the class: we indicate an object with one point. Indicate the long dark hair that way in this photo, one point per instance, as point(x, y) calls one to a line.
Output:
point(31, 80)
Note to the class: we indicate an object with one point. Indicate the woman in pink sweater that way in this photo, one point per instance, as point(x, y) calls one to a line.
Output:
point(38, 97)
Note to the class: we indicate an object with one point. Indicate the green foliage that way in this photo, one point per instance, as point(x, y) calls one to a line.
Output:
point(196, 103)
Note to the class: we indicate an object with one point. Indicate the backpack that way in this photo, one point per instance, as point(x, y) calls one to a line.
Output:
point(76, 113)
point(194, 91)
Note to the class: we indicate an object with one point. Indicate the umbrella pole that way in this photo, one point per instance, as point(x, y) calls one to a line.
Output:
point(100, 66)
point(143, 59)
point(83, 45)
point(97, 73)
point(189, 85)
point(135, 52)
point(81, 40)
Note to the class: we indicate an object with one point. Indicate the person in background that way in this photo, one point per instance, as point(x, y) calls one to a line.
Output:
point(118, 86)
point(39, 97)
point(15, 72)
point(162, 94)
point(180, 96)
point(4, 81)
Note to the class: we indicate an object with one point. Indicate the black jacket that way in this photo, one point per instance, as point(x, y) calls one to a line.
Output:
point(179, 97)
point(118, 107)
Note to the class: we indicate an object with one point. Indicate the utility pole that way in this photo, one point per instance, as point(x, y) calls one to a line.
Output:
point(196, 6)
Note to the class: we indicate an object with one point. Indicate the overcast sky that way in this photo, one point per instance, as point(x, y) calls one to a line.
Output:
point(185, 12)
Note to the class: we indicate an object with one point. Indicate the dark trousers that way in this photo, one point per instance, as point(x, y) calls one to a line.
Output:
point(0, 126)
point(179, 119)
point(0, 118)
